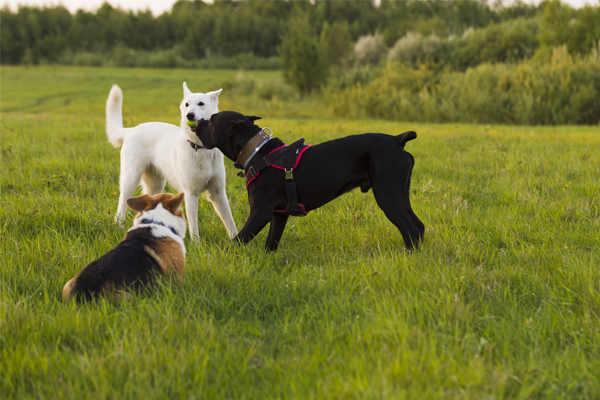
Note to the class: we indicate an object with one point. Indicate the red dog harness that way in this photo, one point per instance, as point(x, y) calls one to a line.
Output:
point(286, 158)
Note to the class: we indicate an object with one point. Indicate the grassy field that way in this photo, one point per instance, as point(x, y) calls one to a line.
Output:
point(501, 301)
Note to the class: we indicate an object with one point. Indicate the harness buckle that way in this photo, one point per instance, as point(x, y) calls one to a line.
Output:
point(252, 171)
point(288, 173)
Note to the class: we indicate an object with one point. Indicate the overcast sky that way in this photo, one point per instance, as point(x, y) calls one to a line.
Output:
point(159, 6)
point(156, 6)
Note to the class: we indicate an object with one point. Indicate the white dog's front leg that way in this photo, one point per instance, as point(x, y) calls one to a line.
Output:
point(128, 183)
point(121, 212)
point(191, 209)
point(218, 198)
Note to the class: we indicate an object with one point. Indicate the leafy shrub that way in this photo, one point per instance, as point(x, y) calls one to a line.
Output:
point(248, 61)
point(415, 48)
point(510, 41)
point(369, 49)
point(126, 57)
point(353, 77)
point(87, 59)
point(497, 43)
point(565, 90)
point(266, 89)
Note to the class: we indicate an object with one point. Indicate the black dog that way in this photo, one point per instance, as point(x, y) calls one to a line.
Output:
point(326, 171)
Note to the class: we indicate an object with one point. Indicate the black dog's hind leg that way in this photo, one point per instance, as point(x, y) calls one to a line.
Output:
point(406, 202)
point(276, 229)
point(394, 210)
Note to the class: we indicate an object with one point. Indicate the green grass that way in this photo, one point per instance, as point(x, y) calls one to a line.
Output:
point(501, 301)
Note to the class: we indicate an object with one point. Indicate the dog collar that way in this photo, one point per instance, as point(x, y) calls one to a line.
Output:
point(151, 221)
point(252, 147)
point(196, 146)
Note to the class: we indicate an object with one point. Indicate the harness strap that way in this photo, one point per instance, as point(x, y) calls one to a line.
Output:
point(269, 159)
point(294, 207)
point(288, 164)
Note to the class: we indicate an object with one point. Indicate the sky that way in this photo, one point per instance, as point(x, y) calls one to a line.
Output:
point(156, 6)
point(159, 6)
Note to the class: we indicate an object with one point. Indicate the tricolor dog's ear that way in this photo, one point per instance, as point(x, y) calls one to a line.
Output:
point(174, 203)
point(186, 92)
point(139, 203)
point(254, 118)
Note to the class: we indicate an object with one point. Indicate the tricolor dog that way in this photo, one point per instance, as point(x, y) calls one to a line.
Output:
point(292, 180)
point(153, 247)
point(156, 152)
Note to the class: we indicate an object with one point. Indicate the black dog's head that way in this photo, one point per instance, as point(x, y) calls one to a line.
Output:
point(228, 131)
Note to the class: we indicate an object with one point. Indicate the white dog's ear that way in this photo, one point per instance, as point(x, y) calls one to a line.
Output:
point(214, 96)
point(186, 91)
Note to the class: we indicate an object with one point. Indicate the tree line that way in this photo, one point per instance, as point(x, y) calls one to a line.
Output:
point(198, 30)
point(426, 60)
point(510, 35)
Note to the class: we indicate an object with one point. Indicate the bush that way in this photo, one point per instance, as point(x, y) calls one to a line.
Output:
point(266, 89)
point(565, 90)
point(126, 57)
point(510, 41)
point(353, 77)
point(498, 43)
point(248, 61)
point(369, 50)
point(87, 59)
point(415, 48)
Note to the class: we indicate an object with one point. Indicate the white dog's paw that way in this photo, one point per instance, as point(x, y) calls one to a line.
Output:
point(120, 222)
point(195, 238)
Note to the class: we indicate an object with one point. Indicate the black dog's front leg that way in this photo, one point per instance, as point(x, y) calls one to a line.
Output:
point(255, 223)
point(276, 229)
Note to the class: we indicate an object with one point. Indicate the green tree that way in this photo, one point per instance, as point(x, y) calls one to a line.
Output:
point(554, 29)
point(584, 32)
point(303, 60)
point(336, 42)
point(578, 29)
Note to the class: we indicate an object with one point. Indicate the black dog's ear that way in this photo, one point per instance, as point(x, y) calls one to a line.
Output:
point(236, 125)
point(254, 118)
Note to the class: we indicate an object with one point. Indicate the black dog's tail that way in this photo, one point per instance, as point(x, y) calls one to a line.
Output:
point(406, 137)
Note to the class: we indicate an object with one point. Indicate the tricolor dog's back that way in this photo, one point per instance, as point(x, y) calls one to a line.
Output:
point(153, 247)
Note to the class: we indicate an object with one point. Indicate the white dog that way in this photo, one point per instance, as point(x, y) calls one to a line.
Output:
point(156, 152)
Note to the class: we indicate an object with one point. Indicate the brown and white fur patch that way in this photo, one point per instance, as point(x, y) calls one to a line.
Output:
point(152, 247)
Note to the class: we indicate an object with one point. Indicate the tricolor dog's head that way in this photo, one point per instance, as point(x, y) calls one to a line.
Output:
point(228, 131)
point(162, 209)
point(197, 106)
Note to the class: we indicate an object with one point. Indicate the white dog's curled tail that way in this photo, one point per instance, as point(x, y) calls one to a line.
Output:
point(114, 117)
